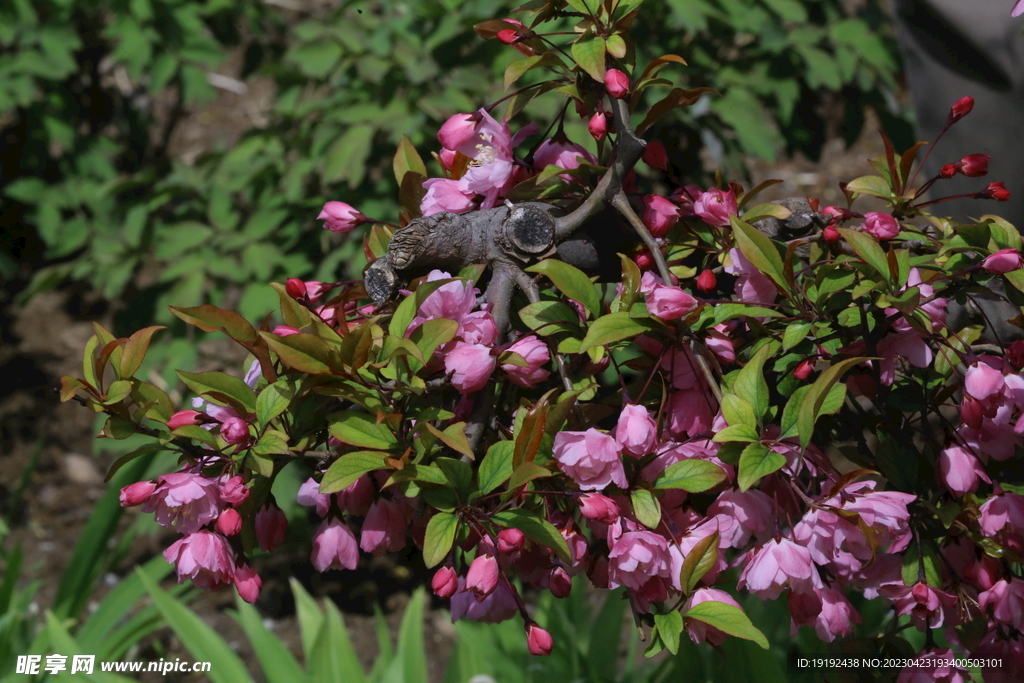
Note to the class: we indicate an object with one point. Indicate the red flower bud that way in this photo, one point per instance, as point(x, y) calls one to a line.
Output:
point(804, 369)
point(559, 583)
point(706, 281)
point(1015, 354)
point(643, 259)
point(598, 125)
point(508, 36)
point(137, 493)
point(616, 82)
point(947, 171)
point(185, 417)
point(295, 288)
point(445, 582)
point(655, 155)
point(973, 165)
point(510, 540)
point(960, 109)
point(996, 191)
point(538, 640)
point(831, 235)
point(230, 522)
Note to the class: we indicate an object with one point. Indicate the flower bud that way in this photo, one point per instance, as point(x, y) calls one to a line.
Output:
point(538, 640)
point(644, 260)
point(960, 109)
point(185, 417)
point(508, 35)
point(831, 235)
point(284, 330)
point(659, 214)
point(559, 583)
point(1003, 261)
point(295, 288)
point(655, 155)
point(803, 369)
point(670, 303)
point(247, 583)
point(973, 165)
point(881, 226)
point(510, 541)
point(616, 82)
point(972, 412)
point(234, 491)
point(598, 125)
point(340, 217)
point(1015, 354)
point(947, 171)
point(996, 191)
point(230, 522)
point(137, 493)
point(445, 582)
point(235, 431)
point(271, 527)
point(706, 281)
point(482, 577)
point(599, 508)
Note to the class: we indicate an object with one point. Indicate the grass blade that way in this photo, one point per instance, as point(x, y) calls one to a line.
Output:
point(279, 666)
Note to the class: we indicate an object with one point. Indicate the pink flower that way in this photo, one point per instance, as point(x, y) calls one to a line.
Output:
point(881, 226)
point(334, 546)
point(204, 557)
point(655, 155)
point(357, 497)
point(927, 606)
point(659, 214)
point(563, 154)
point(340, 217)
point(536, 353)
point(598, 125)
point(230, 522)
point(827, 609)
point(284, 331)
point(715, 206)
point(590, 458)
point(1018, 9)
point(458, 130)
point(559, 583)
point(636, 431)
point(271, 527)
point(1003, 261)
point(1006, 598)
point(973, 165)
point(616, 82)
point(599, 508)
point(309, 495)
point(753, 513)
point(482, 577)
point(706, 281)
point(963, 106)
point(670, 303)
point(752, 286)
point(448, 195)
point(776, 564)
point(1000, 510)
point(233, 490)
point(248, 583)
point(694, 535)
point(452, 300)
point(636, 558)
point(700, 631)
point(445, 582)
point(235, 431)
point(510, 541)
point(137, 493)
point(497, 607)
point(996, 191)
point(384, 527)
point(960, 470)
point(185, 417)
point(470, 366)
point(185, 501)
point(538, 641)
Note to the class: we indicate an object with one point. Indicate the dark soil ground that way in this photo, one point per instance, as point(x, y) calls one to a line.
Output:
point(44, 340)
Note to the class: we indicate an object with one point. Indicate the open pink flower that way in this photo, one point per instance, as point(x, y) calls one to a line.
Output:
point(536, 353)
point(444, 194)
point(659, 214)
point(1006, 598)
point(204, 557)
point(750, 512)
point(778, 563)
point(563, 154)
point(927, 606)
point(636, 557)
point(334, 546)
point(384, 528)
point(590, 458)
point(752, 286)
point(470, 366)
point(826, 609)
point(960, 471)
point(309, 495)
point(1018, 9)
point(715, 206)
point(185, 501)
point(499, 606)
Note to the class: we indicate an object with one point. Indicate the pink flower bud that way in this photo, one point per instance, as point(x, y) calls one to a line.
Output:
point(599, 508)
point(960, 109)
point(247, 583)
point(803, 369)
point(508, 35)
point(230, 522)
point(670, 303)
point(644, 260)
point(973, 165)
point(137, 493)
point(510, 541)
point(185, 417)
point(447, 157)
point(445, 582)
point(470, 366)
point(295, 288)
point(655, 155)
point(559, 583)
point(881, 226)
point(714, 206)
point(972, 413)
point(340, 217)
point(271, 527)
point(482, 576)
point(284, 330)
point(1015, 354)
point(996, 191)
point(234, 491)
point(598, 125)
point(535, 352)
point(334, 546)
point(616, 82)
point(831, 235)
point(457, 130)
point(947, 171)
point(1003, 261)
point(538, 640)
point(235, 431)
point(636, 431)
point(706, 281)
point(659, 214)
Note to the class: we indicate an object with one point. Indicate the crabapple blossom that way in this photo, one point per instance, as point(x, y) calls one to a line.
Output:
point(561, 153)
point(538, 641)
point(137, 493)
point(445, 582)
point(384, 527)
point(271, 527)
point(599, 508)
point(233, 490)
point(636, 432)
point(470, 366)
point(706, 281)
point(247, 582)
point(1003, 261)
point(309, 495)
point(715, 206)
point(185, 417)
point(659, 214)
point(1006, 600)
point(598, 125)
point(826, 609)
point(229, 523)
point(655, 155)
point(616, 82)
point(960, 471)
point(536, 354)
point(960, 109)
point(482, 576)
point(184, 501)
point(926, 605)
point(698, 630)
point(881, 226)
point(636, 558)
point(670, 303)
point(778, 563)
point(590, 458)
point(973, 165)
point(204, 557)
point(341, 217)
point(334, 546)
point(497, 607)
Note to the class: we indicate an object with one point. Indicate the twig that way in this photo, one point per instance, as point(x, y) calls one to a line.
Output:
point(622, 205)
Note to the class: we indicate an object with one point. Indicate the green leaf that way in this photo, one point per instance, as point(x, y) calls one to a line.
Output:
point(406, 310)
point(360, 429)
point(525, 473)
point(646, 508)
point(537, 529)
point(743, 111)
point(431, 334)
point(795, 334)
point(209, 318)
point(868, 249)
point(496, 467)
point(750, 384)
point(761, 252)
point(220, 388)
point(407, 159)
point(693, 475)
point(515, 70)
point(698, 562)
point(614, 327)
point(439, 537)
point(870, 184)
point(346, 159)
point(725, 312)
point(571, 281)
point(727, 619)
point(738, 411)
point(274, 400)
point(459, 473)
point(811, 407)
point(740, 432)
point(202, 642)
point(589, 53)
point(303, 352)
point(276, 661)
point(757, 461)
point(549, 317)
point(670, 627)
